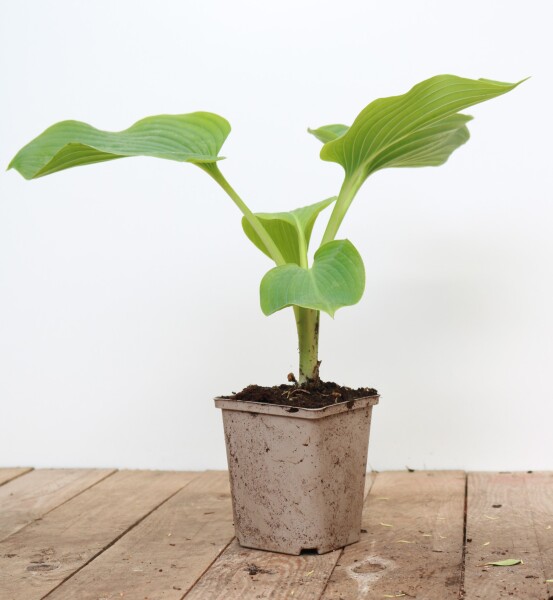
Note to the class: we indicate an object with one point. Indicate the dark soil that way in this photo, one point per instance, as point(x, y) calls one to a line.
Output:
point(253, 569)
point(307, 395)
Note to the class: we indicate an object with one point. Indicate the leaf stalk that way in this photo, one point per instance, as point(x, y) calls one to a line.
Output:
point(349, 189)
point(213, 170)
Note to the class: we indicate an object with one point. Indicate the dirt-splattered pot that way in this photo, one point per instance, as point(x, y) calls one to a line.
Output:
point(297, 475)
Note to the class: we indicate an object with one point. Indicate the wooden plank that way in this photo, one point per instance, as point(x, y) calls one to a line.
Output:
point(242, 573)
point(25, 499)
point(38, 558)
point(9, 474)
point(501, 525)
point(413, 545)
point(539, 489)
point(165, 554)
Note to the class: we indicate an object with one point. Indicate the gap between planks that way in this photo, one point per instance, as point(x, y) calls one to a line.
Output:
point(40, 557)
point(12, 473)
point(413, 543)
point(165, 553)
point(509, 516)
point(380, 565)
point(30, 497)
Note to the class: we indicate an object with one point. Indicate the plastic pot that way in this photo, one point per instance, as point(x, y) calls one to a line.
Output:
point(297, 475)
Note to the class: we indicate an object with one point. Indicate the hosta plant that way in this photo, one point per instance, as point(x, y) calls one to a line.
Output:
point(417, 129)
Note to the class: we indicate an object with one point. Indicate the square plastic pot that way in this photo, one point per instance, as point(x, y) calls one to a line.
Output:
point(297, 475)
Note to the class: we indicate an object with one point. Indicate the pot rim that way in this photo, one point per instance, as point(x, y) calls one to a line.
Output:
point(280, 410)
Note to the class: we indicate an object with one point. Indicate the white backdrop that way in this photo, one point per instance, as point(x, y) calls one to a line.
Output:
point(129, 295)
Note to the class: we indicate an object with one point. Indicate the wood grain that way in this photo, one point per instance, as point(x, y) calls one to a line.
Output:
point(539, 490)
point(164, 555)
point(9, 474)
point(164, 536)
point(242, 573)
point(25, 499)
point(413, 541)
point(38, 558)
point(502, 524)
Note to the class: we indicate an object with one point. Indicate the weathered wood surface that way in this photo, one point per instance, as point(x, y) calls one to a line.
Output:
point(508, 515)
point(97, 535)
point(39, 557)
point(245, 573)
point(33, 495)
point(412, 543)
point(9, 474)
point(165, 554)
point(539, 487)
point(242, 573)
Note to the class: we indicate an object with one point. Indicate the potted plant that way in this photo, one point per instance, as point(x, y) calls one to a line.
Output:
point(297, 452)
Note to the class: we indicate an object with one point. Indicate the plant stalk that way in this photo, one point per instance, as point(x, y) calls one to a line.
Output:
point(307, 322)
point(213, 170)
point(349, 188)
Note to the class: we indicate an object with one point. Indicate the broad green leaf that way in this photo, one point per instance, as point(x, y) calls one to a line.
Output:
point(509, 562)
point(290, 231)
point(327, 133)
point(336, 279)
point(194, 137)
point(431, 146)
point(417, 129)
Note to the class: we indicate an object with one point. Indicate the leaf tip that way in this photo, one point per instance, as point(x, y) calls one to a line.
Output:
point(23, 173)
point(314, 132)
point(12, 163)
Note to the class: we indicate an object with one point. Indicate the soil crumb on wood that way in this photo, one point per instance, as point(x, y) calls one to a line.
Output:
point(307, 395)
point(255, 570)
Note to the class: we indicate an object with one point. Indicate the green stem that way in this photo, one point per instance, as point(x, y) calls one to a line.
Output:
point(307, 322)
point(302, 249)
point(213, 170)
point(349, 188)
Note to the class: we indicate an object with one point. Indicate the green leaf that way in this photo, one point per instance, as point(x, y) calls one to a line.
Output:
point(194, 137)
point(417, 129)
point(429, 147)
point(336, 279)
point(327, 133)
point(509, 562)
point(290, 231)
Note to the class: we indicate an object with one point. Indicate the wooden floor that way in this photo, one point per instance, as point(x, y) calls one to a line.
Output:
point(100, 534)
